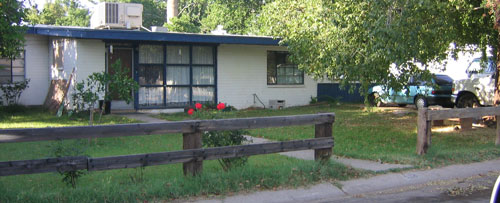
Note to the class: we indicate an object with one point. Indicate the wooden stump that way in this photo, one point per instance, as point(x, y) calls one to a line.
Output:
point(323, 130)
point(438, 123)
point(466, 123)
point(192, 141)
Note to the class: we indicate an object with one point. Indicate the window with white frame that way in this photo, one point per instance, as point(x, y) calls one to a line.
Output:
point(280, 71)
point(12, 70)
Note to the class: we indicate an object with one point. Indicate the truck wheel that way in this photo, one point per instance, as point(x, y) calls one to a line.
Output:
point(374, 99)
point(467, 101)
point(420, 102)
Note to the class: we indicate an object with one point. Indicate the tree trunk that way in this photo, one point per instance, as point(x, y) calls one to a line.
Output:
point(496, 102)
point(172, 10)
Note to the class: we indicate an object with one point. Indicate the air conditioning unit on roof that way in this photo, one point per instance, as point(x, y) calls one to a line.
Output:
point(116, 16)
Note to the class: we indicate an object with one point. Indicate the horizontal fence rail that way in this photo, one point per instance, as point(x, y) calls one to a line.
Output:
point(192, 156)
point(426, 116)
point(152, 159)
point(79, 132)
point(462, 113)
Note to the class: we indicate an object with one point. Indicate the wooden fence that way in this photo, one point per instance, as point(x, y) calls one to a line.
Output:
point(192, 156)
point(426, 116)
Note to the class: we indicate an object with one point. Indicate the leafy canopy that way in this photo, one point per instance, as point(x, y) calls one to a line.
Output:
point(12, 32)
point(382, 41)
point(237, 17)
point(60, 12)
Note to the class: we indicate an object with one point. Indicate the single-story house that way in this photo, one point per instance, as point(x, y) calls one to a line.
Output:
point(173, 69)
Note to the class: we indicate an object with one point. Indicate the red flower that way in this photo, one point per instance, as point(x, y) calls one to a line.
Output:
point(221, 106)
point(190, 111)
point(198, 106)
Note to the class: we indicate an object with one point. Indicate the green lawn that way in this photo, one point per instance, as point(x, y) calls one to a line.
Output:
point(378, 134)
point(35, 117)
point(156, 183)
point(375, 134)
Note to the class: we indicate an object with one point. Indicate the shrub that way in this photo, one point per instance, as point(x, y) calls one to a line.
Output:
point(226, 138)
point(74, 148)
point(12, 92)
point(220, 138)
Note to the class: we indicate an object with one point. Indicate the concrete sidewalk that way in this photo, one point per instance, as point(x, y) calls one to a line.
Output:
point(404, 181)
point(355, 163)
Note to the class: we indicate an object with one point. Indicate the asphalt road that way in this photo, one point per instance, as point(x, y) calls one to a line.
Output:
point(472, 189)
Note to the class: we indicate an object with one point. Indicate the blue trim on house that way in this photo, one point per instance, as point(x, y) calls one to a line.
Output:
point(134, 35)
point(216, 49)
point(135, 61)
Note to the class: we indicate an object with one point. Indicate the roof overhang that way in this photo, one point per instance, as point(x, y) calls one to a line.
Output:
point(133, 35)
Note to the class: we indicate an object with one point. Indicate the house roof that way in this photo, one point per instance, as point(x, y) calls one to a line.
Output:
point(134, 35)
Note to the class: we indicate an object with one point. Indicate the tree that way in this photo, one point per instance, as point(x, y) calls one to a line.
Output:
point(191, 12)
point(12, 32)
point(60, 12)
point(237, 17)
point(182, 24)
point(494, 6)
point(380, 41)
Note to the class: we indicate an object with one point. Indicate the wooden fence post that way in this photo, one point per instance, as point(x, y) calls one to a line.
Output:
point(423, 132)
point(497, 142)
point(465, 123)
point(192, 141)
point(323, 130)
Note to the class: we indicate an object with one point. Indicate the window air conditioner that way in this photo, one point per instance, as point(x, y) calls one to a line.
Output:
point(116, 16)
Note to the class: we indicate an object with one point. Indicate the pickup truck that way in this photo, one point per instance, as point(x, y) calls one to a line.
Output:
point(478, 89)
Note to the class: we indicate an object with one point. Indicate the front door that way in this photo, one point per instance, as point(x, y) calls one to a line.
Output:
point(125, 55)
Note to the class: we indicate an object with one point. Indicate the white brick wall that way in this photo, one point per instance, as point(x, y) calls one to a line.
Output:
point(37, 70)
point(91, 57)
point(242, 71)
point(87, 56)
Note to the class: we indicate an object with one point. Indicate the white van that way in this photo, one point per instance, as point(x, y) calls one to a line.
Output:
point(479, 88)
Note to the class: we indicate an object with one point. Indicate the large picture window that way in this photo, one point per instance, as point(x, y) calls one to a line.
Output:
point(280, 71)
point(12, 70)
point(176, 75)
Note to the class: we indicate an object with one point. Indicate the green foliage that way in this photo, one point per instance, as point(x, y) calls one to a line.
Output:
point(12, 14)
point(474, 22)
point(213, 106)
point(314, 100)
point(100, 84)
point(12, 92)
point(226, 138)
point(119, 83)
point(68, 149)
point(60, 12)
point(87, 92)
point(237, 17)
point(182, 24)
point(373, 41)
